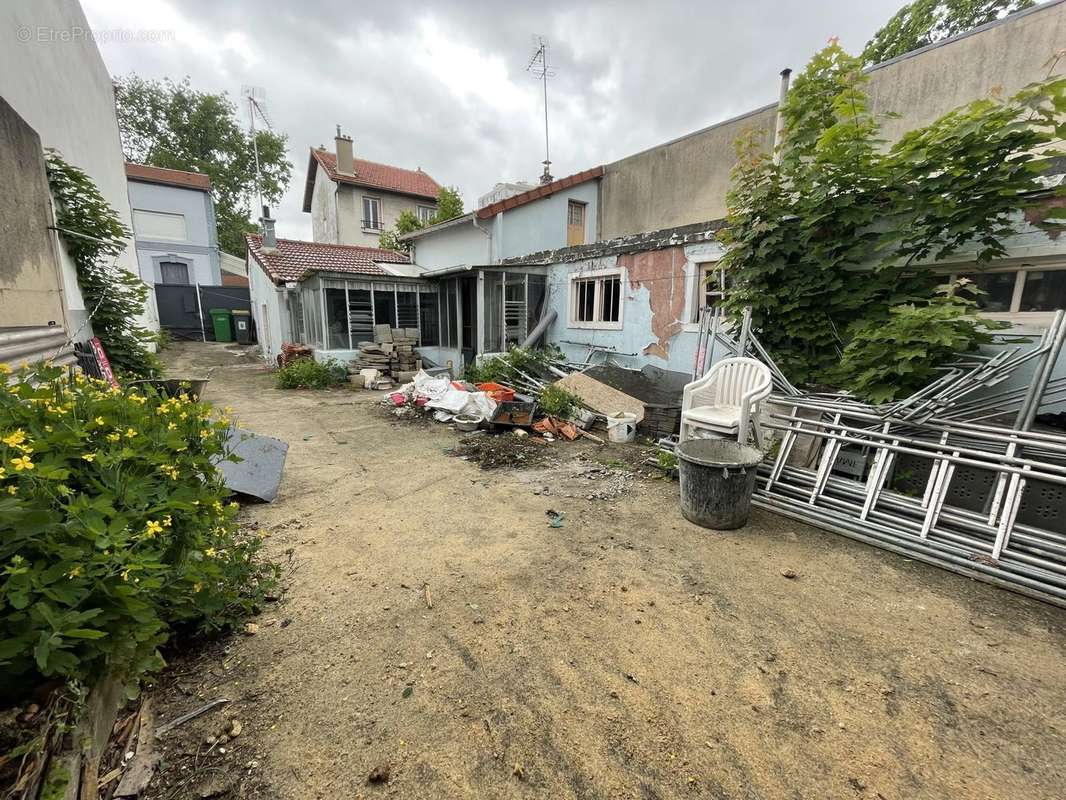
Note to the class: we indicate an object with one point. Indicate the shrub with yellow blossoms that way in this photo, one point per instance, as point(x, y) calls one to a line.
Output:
point(114, 527)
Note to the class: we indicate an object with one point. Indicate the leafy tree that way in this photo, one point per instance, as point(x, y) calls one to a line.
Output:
point(113, 296)
point(168, 124)
point(821, 244)
point(449, 205)
point(406, 222)
point(924, 22)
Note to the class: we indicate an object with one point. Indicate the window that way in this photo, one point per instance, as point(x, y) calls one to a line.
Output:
point(425, 214)
point(429, 320)
point(997, 289)
point(575, 223)
point(596, 300)
point(385, 307)
point(336, 320)
point(174, 272)
point(372, 213)
point(1020, 291)
point(156, 225)
point(1044, 290)
point(711, 289)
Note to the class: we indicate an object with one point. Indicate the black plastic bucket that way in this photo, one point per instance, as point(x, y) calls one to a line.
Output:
point(717, 479)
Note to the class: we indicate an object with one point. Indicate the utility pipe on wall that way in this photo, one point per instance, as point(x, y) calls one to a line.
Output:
point(779, 125)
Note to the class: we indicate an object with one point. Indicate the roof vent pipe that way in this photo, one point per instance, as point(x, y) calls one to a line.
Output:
point(266, 225)
point(779, 125)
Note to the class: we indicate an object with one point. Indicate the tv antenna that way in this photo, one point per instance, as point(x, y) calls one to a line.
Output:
point(538, 68)
point(256, 97)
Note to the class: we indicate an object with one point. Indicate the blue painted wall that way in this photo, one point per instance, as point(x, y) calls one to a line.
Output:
point(200, 247)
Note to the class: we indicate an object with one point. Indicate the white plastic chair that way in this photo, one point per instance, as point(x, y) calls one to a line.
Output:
point(726, 399)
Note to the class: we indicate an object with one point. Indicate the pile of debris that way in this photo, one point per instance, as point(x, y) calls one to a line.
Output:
point(391, 353)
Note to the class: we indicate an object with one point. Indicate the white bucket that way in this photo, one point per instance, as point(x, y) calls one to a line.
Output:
point(622, 427)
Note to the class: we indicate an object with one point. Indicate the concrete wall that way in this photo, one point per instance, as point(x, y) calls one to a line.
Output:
point(676, 183)
point(199, 249)
point(350, 212)
point(659, 303)
point(686, 180)
point(324, 209)
point(459, 245)
point(271, 317)
point(31, 288)
point(541, 225)
point(63, 90)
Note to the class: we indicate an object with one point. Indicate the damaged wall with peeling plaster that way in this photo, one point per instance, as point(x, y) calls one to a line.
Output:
point(660, 293)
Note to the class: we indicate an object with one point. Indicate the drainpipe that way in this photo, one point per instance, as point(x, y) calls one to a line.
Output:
point(779, 125)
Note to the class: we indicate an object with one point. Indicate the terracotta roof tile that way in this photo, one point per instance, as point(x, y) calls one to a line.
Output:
point(295, 258)
point(169, 177)
point(538, 192)
point(414, 182)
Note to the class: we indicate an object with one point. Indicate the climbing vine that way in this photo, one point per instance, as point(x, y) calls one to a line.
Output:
point(113, 296)
point(825, 242)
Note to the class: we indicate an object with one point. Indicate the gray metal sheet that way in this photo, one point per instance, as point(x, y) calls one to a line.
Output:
point(258, 475)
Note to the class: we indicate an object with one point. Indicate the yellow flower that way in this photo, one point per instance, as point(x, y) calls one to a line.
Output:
point(210, 552)
point(217, 505)
point(74, 572)
point(3, 472)
point(99, 420)
point(196, 587)
point(90, 457)
point(48, 428)
point(113, 437)
point(227, 410)
point(21, 463)
point(12, 489)
point(153, 528)
point(171, 426)
point(126, 574)
point(5, 369)
point(166, 521)
point(130, 433)
point(15, 438)
point(167, 469)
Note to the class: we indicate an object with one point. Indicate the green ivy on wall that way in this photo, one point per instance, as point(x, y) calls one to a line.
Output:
point(824, 242)
point(113, 296)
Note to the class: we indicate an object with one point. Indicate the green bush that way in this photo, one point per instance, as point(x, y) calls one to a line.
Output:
point(114, 528)
point(555, 401)
point(886, 359)
point(306, 373)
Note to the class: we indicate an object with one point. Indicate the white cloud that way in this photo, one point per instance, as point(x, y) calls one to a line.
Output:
point(444, 87)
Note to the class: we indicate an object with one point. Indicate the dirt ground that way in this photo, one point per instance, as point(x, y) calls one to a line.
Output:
point(626, 654)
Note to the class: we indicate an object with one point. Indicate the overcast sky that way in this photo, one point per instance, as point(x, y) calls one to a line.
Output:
point(443, 86)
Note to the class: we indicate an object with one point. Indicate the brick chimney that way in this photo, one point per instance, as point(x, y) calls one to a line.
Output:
point(345, 158)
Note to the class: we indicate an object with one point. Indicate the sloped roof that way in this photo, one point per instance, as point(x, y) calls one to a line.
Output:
point(168, 177)
point(294, 258)
point(370, 174)
point(514, 201)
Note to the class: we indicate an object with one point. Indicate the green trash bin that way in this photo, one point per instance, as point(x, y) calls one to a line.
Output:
point(221, 322)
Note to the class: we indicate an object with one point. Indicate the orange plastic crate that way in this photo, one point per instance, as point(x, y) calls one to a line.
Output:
point(501, 394)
